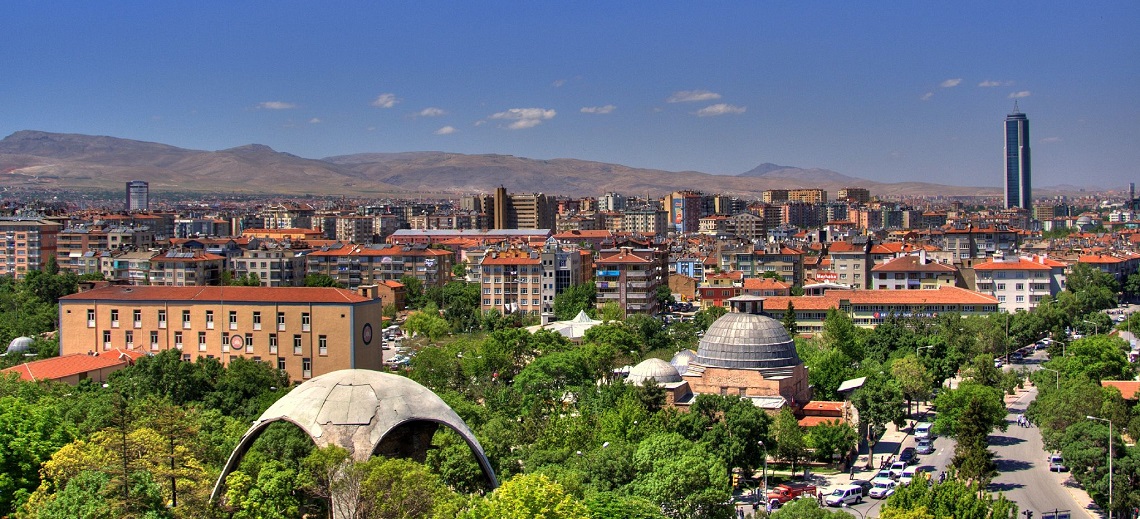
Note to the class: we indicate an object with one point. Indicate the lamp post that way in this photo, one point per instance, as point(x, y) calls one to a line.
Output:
point(765, 447)
point(1109, 461)
point(1058, 375)
point(1096, 326)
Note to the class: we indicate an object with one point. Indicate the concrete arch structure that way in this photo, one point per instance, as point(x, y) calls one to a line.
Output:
point(366, 412)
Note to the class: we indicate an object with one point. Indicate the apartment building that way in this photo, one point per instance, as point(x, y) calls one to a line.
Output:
point(287, 216)
point(355, 229)
point(275, 267)
point(180, 267)
point(755, 262)
point(512, 282)
point(643, 221)
point(980, 243)
point(857, 195)
point(811, 196)
point(305, 332)
point(913, 272)
point(28, 243)
point(630, 277)
point(852, 262)
point(1019, 283)
point(356, 265)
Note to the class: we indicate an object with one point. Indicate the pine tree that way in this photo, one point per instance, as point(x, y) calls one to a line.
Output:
point(790, 320)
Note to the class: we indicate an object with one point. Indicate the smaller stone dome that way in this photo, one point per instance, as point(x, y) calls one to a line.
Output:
point(682, 359)
point(655, 369)
point(20, 345)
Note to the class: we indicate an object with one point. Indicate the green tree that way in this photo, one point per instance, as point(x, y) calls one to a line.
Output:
point(610, 505)
point(972, 459)
point(681, 477)
point(526, 497)
point(808, 509)
point(708, 315)
point(879, 402)
point(953, 498)
point(428, 323)
point(271, 495)
point(574, 299)
point(1099, 357)
point(413, 291)
point(984, 403)
point(839, 333)
point(913, 378)
point(322, 280)
point(83, 496)
point(29, 434)
point(1132, 284)
point(1095, 289)
point(790, 320)
point(832, 440)
point(664, 296)
point(791, 444)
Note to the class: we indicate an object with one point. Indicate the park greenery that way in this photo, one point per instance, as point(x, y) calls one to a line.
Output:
point(566, 435)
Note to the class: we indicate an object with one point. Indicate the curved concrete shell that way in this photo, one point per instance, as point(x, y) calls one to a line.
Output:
point(366, 412)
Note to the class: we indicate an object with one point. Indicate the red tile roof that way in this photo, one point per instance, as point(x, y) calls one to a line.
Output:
point(57, 368)
point(830, 299)
point(912, 264)
point(487, 260)
point(1129, 389)
point(226, 293)
point(1020, 264)
point(764, 284)
point(1100, 259)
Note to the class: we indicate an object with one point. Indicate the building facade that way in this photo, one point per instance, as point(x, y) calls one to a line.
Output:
point(305, 332)
point(630, 277)
point(1018, 180)
point(28, 243)
point(138, 196)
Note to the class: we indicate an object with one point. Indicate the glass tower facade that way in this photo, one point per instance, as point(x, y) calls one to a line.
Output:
point(1017, 170)
point(138, 196)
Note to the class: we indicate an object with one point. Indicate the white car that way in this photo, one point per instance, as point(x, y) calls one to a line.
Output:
point(845, 495)
point(908, 475)
point(897, 469)
point(882, 488)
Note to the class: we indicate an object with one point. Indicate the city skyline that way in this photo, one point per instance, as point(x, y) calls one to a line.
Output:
point(894, 96)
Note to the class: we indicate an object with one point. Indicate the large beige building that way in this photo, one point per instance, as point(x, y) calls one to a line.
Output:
point(304, 331)
point(512, 282)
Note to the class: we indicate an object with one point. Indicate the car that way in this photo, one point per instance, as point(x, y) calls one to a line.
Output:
point(882, 474)
point(908, 456)
point(925, 446)
point(897, 469)
point(863, 484)
point(998, 363)
point(1016, 358)
point(1041, 346)
point(909, 474)
point(882, 488)
point(844, 495)
point(924, 430)
point(1057, 463)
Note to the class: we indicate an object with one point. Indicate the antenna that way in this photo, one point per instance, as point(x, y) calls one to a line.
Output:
point(1015, 110)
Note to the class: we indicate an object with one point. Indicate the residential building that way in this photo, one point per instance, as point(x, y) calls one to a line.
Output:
point(305, 332)
point(138, 196)
point(772, 196)
point(630, 277)
point(685, 210)
point(972, 243)
point(357, 265)
point(561, 269)
point(132, 268)
point(28, 243)
point(811, 196)
point(512, 282)
point(853, 261)
point(180, 267)
point(1019, 283)
point(275, 267)
point(287, 216)
point(645, 220)
point(717, 289)
point(857, 195)
point(766, 287)
point(912, 272)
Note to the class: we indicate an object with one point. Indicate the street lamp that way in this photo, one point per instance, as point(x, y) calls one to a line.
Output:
point(765, 447)
point(849, 507)
point(1109, 461)
point(1096, 326)
point(917, 348)
point(1058, 375)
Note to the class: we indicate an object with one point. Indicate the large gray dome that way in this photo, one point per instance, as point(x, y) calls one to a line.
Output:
point(20, 345)
point(656, 369)
point(682, 359)
point(746, 341)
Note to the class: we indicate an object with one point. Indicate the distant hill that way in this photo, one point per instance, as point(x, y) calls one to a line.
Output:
point(69, 161)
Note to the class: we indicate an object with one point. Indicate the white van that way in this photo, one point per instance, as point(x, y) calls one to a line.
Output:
point(847, 494)
point(924, 430)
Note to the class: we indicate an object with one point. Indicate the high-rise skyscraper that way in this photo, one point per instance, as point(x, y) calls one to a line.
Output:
point(138, 196)
point(1017, 172)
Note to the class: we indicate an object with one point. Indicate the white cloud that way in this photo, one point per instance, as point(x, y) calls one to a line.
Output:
point(720, 109)
point(276, 105)
point(950, 83)
point(525, 117)
point(446, 130)
point(685, 96)
point(992, 83)
point(314, 121)
point(927, 96)
point(385, 101)
point(1051, 139)
point(598, 109)
point(558, 82)
point(431, 111)
point(1017, 95)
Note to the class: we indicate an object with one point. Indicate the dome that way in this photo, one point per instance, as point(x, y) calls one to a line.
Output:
point(20, 345)
point(746, 341)
point(1084, 220)
point(682, 359)
point(366, 412)
point(655, 369)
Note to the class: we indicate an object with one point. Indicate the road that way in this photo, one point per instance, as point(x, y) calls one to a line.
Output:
point(1023, 472)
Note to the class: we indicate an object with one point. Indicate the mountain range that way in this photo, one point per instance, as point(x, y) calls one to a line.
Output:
point(72, 161)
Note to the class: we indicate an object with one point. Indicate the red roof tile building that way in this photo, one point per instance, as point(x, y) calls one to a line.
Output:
point(1019, 283)
point(630, 277)
point(869, 308)
point(76, 367)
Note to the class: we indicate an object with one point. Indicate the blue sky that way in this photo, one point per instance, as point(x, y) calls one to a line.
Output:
point(917, 92)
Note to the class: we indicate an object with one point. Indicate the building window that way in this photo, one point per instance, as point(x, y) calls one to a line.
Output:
point(280, 321)
point(1019, 287)
point(306, 322)
point(296, 345)
point(90, 318)
point(130, 335)
point(256, 321)
point(306, 368)
point(1001, 286)
point(162, 318)
point(137, 316)
point(209, 319)
point(233, 319)
point(323, 345)
point(201, 341)
point(186, 319)
point(249, 343)
point(273, 344)
point(114, 318)
point(225, 342)
point(153, 341)
point(1001, 299)
point(106, 339)
point(281, 363)
point(178, 340)
point(1019, 299)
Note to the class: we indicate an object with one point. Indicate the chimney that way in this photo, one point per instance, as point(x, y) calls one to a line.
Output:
point(922, 256)
point(546, 316)
point(369, 291)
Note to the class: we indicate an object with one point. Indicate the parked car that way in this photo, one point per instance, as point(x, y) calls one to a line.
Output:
point(1016, 358)
point(863, 484)
point(908, 456)
point(909, 474)
point(845, 495)
point(882, 488)
point(897, 469)
point(882, 474)
point(925, 446)
point(1057, 464)
point(789, 491)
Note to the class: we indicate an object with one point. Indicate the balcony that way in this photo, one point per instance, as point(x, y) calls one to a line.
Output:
point(613, 273)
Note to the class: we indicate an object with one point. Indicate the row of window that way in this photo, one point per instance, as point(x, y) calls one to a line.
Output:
point(499, 301)
point(136, 315)
point(247, 342)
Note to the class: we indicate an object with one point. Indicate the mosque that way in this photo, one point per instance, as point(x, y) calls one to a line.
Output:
point(742, 354)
